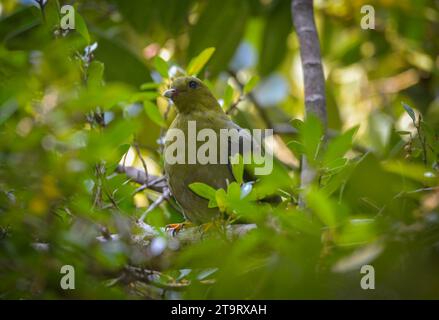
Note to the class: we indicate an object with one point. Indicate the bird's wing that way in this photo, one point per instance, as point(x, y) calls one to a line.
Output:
point(248, 147)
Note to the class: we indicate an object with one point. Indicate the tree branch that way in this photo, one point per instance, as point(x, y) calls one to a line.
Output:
point(314, 81)
point(313, 78)
point(251, 97)
point(163, 197)
point(147, 181)
point(185, 236)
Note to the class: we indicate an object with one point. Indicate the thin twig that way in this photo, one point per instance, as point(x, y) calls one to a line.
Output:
point(150, 184)
point(253, 100)
point(139, 176)
point(234, 105)
point(422, 140)
point(136, 147)
point(163, 197)
point(402, 193)
point(152, 277)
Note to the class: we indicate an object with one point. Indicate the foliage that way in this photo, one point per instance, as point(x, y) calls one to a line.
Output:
point(76, 105)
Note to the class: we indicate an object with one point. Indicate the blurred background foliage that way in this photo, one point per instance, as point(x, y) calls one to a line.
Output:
point(76, 104)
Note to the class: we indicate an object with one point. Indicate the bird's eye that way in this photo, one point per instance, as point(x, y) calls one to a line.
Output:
point(193, 84)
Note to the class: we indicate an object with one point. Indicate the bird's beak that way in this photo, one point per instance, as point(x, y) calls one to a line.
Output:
point(170, 93)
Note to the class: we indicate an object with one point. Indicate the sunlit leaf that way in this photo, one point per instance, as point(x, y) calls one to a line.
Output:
point(237, 167)
point(221, 199)
point(153, 113)
point(81, 27)
point(412, 170)
point(200, 61)
point(203, 190)
point(228, 96)
point(149, 86)
point(161, 66)
point(251, 84)
point(233, 191)
point(357, 232)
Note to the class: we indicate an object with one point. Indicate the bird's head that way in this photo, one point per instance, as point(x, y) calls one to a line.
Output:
point(191, 94)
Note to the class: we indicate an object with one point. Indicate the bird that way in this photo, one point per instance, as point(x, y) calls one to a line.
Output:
point(195, 104)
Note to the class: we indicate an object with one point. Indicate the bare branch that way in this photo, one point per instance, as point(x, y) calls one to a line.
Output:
point(234, 105)
point(139, 154)
point(147, 181)
point(163, 197)
point(132, 273)
point(253, 100)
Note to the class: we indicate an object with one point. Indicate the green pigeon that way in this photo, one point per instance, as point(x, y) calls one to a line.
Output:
point(196, 104)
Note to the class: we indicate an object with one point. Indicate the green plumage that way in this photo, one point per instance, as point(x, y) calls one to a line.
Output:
point(195, 102)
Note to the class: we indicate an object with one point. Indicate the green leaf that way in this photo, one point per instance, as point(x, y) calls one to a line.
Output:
point(410, 112)
point(251, 84)
point(339, 146)
point(228, 96)
point(212, 203)
point(81, 27)
point(221, 25)
point(380, 130)
point(237, 167)
point(329, 212)
point(274, 38)
point(431, 138)
point(297, 148)
point(52, 12)
point(149, 86)
point(200, 61)
point(140, 14)
point(7, 110)
point(126, 65)
point(357, 231)
point(161, 66)
point(295, 220)
point(123, 148)
point(221, 199)
point(29, 37)
point(95, 74)
point(338, 180)
point(233, 192)
point(146, 15)
point(203, 190)
point(412, 171)
point(297, 123)
point(153, 113)
point(311, 134)
point(141, 96)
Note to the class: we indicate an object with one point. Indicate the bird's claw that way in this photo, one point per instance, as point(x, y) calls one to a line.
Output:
point(175, 228)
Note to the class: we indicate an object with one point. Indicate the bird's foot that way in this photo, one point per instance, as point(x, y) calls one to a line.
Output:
point(175, 228)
